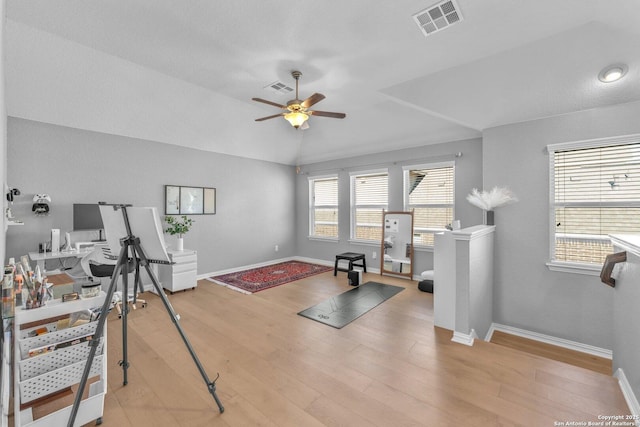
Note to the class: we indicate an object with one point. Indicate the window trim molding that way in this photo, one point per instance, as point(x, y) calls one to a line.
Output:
point(405, 184)
point(574, 267)
point(311, 206)
point(594, 143)
point(551, 149)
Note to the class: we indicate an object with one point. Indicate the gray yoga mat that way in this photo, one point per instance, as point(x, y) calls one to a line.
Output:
point(342, 309)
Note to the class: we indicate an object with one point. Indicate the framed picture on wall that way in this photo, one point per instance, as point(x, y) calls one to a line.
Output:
point(191, 200)
point(209, 201)
point(181, 200)
point(171, 200)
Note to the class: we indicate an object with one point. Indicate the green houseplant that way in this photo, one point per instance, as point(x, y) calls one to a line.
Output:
point(178, 226)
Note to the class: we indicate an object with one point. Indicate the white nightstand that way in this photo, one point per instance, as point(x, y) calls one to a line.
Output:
point(182, 274)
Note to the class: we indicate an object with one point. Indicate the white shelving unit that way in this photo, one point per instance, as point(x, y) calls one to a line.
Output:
point(42, 375)
point(182, 274)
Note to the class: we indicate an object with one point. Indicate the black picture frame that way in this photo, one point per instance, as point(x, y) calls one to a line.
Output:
point(188, 200)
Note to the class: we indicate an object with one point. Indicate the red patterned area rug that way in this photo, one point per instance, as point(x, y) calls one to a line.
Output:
point(259, 279)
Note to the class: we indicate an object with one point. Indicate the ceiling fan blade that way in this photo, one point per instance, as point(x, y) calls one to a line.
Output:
point(264, 101)
point(327, 114)
point(269, 117)
point(313, 99)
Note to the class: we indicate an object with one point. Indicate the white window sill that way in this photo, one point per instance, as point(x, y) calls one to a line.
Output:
point(324, 239)
point(365, 242)
point(423, 248)
point(575, 267)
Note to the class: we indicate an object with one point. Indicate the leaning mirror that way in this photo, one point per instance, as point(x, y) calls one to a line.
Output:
point(397, 244)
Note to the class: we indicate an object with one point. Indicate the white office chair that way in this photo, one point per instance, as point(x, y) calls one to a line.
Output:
point(99, 264)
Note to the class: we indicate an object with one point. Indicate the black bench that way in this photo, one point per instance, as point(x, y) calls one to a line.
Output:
point(352, 257)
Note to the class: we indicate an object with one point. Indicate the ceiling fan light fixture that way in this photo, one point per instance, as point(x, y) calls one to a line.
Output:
point(296, 118)
point(612, 73)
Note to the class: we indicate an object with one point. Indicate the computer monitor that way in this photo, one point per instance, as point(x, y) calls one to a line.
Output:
point(87, 217)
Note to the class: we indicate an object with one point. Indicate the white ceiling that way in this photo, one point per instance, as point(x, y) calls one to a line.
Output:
point(184, 72)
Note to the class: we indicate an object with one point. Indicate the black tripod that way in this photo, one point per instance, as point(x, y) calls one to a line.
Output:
point(132, 252)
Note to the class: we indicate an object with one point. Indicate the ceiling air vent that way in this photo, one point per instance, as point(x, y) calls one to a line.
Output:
point(438, 17)
point(279, 87)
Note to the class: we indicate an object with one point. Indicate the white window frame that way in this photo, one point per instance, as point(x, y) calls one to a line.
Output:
point(313, 206)
point(564, 266)
point(406, 184)
point(352, 210)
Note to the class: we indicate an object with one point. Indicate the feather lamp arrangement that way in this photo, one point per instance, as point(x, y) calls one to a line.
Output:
point(489, 200)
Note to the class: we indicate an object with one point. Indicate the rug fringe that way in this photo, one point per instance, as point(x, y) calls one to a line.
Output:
point(233, 288)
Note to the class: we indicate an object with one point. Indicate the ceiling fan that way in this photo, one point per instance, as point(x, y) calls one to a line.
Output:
point(297, 112)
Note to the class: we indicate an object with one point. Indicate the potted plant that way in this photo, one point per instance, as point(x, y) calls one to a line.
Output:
point(180, 227)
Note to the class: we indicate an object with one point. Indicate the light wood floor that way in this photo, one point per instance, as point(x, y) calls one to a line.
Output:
point(572, 357)
point(390, 367)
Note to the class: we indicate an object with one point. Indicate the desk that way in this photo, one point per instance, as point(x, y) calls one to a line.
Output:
point(41, 258)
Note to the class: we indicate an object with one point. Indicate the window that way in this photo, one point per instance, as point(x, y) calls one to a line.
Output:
point(369, 197)
point(323, 207)
point(595, 191)
point(429, 192)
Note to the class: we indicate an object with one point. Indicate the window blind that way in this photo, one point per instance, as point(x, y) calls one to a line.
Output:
point(429, 192)
point(324, 207)
point(370, 195)
point(596, 192)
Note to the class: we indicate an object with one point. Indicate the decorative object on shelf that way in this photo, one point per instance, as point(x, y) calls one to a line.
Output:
point(489, 200)
point(189, 200)
point(179, 227)
point(12, 193)
point(41, 204)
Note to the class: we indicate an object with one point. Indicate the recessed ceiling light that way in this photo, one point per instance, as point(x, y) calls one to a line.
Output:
point(612, 73)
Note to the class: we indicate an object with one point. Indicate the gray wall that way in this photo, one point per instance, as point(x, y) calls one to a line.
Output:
point(255, 199)
point(527, 294)
point(468, 176)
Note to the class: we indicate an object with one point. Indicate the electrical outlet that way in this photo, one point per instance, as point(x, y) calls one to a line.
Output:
point(276, 248)
point(374, 255)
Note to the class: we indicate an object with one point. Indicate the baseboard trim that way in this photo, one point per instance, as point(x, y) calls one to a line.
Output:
point(548, 339)
point(627, 391)
point(466, 339)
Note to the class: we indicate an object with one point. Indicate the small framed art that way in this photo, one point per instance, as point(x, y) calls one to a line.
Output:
point(182, 200)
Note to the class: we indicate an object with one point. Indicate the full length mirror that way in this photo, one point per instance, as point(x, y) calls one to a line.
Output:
point(397, 244)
